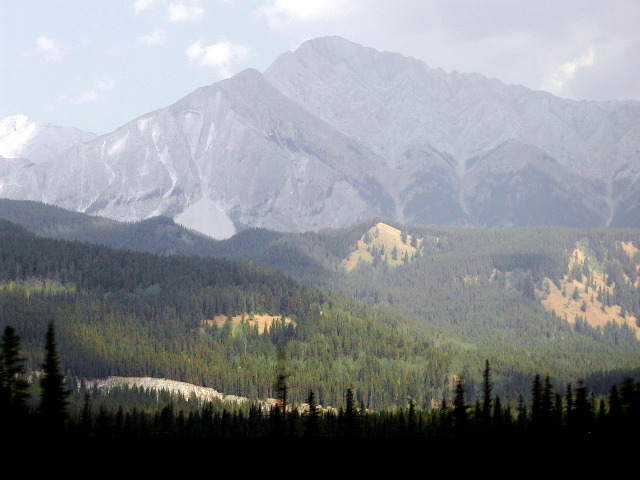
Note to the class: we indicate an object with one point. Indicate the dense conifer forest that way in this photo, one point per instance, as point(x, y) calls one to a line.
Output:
point(406, 328)
point(71, 410)
point(133, 314)
point(482, 289)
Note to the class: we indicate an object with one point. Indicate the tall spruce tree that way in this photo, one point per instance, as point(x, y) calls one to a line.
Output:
point(460, 418)
point(583, 416)
point(537, 415)
point(522, 419)
point(351, 415)
point(54, 396)
point(14, 388)
point(616, 414)
point(313, 416)
point(546, 403)
point(487, 388)
point(412, 421)
point(282, 394)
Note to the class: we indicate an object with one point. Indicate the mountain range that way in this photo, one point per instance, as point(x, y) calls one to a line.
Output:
point(333, 134)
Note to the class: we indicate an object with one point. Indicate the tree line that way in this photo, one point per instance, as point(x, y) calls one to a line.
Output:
point(129, 413)
point(17, 417)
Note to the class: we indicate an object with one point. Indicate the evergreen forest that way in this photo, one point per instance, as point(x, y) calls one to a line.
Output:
point(379, 329)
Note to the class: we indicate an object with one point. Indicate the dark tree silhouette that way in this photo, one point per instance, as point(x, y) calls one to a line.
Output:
point(487, 387)
point(583, 411)
point(537, 410)
point(460, 418)
point(313, 416)
point(282, 394)
point(351, 415)
point(54, 398)
point(14, 387)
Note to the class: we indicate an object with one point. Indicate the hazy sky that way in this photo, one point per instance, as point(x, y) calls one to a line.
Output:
point(97, 64)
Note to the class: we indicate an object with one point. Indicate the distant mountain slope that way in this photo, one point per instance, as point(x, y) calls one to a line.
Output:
point(401, 109)
point(155, 235)
point(392, 103)
point(517, 184)
point(250, 154)
point(334, 134)
point(39, 142)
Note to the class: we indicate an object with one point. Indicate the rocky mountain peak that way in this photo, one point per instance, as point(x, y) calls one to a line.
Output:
point(335, 133)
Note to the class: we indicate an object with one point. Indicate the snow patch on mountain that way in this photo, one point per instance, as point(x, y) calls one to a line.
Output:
point(118, 145)
point(15, 133)
point(37, 141)
point(206, 217)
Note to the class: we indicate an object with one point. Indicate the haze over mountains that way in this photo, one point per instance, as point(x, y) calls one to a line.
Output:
point(336, 133)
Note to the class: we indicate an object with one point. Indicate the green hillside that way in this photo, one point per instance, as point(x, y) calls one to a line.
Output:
point(138, 314)
point(476, 294)
point(482, 289)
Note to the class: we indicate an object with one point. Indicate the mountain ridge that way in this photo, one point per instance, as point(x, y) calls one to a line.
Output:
point(333, 134)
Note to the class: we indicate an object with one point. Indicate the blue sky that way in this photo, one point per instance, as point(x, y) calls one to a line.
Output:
point(97, 64)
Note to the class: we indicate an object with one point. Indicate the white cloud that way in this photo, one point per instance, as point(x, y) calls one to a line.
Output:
point(557, 81)
point(155, 38)
point(284, 11)
point(104, 84)
point(177, 10)
point(99, 88)
point(142, 5)
point(221, 56)
point(185, 11)
point(518, 41)
point(613, 74)
point(50, 48)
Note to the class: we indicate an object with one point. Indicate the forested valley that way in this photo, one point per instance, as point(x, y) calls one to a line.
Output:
point(65, 409)
point(386, 324)
point(132, 314)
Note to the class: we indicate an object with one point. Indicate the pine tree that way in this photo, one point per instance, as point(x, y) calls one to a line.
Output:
point(497, 420)
point(86, 418)
point(54, 398)
point(312, 424)
point(351, 415)
point(616, 414)
point(412, 421)
point(282, 392)
point(536, 404)
point(444, 416)
point(522, 414)
point(460, 418)
point(546, 403)
point(487, 387)
point(583, 410)
point(14, 387)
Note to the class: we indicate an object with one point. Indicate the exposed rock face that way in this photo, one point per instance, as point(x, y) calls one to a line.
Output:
point(335, 133)
point(186, 390)
point(562, 162)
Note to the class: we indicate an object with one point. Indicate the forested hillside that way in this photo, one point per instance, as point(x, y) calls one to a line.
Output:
point(556, 301)
point(156, 235)
point(485, 289)
point(125, 313)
